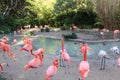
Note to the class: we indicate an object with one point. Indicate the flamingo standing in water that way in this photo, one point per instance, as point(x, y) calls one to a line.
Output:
point(115, 33)
point(51, 71)
point(84, 66)
point(103, 55)
point(37, 61)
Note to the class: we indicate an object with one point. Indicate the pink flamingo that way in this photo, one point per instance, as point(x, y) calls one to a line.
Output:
point(119, 61)
point(84, 69)
point(52, 69)
point(39, 51)
point(83, 49)
point(84, 65)
point(36, 62)
point(28, 48)
point(5, 48)
point(27, 41)
point(64, 54)
point(115, 33)
point(15, 40)
point(5, 39)
point(103, 32)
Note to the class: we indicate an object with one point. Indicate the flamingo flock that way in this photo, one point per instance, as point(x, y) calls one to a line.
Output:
point(38, 57)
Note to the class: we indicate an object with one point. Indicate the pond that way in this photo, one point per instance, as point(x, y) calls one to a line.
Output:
point(53, 46)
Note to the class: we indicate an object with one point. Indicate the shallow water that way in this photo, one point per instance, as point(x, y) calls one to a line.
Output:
point(53, 46)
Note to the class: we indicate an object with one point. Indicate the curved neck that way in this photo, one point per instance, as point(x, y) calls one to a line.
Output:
point(85, 53)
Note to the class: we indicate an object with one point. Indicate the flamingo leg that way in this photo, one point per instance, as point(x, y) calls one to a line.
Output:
point(82, 75)
point(60, 61)
point(36, 74)
point(12, 55)
point(27, 67)
point(5, 59)
point(103, 63)
point(68, 68)
point(115, 56)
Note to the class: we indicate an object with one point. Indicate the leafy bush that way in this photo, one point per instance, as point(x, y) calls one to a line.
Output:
point(47, 30)
point(70, 36)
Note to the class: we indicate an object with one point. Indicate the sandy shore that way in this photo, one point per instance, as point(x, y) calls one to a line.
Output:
point(15, 69)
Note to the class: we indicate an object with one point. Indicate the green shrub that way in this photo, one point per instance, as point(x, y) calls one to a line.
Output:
point(70, 36)
point(47, 30)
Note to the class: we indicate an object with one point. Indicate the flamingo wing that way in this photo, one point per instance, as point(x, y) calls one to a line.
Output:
point(66, 56)
point(51, 71)
point(119, 61)
point(35, 63)
point(84, 68)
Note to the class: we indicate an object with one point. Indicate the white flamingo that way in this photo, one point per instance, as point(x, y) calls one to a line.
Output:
point(103, 55)
point(116, 51)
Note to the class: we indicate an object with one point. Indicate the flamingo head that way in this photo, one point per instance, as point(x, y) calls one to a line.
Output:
point(41, 50)
point(24, 40)
point(6, 38)
point(55, 62)
point(40, 53)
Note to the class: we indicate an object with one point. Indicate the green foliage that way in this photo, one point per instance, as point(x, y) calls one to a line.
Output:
point(79, 15)
point(42, 10)
point(64, 6)
point(45, 30)
point(56, 13)
point(9, 23)
point(98, 25)
point(73, 35)
point(117, 15)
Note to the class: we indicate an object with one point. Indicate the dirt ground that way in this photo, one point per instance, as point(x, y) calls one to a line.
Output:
point(15, 70)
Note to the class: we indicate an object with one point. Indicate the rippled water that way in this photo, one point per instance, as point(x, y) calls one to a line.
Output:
point(52, 46)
